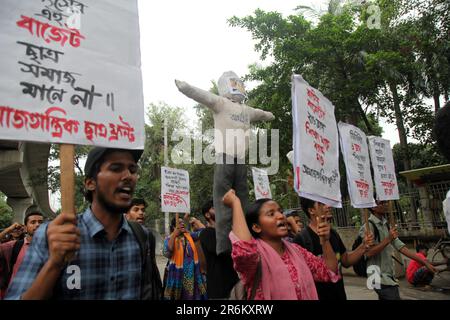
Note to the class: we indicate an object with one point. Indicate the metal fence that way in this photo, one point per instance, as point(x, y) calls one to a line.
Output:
point(413, 211)
point(409, 211)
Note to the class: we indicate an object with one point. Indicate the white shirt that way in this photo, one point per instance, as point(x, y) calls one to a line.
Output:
point(446, 206)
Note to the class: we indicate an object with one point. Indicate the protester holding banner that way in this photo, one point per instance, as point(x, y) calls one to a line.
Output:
point(183, 279)
point(380, 255)
point(104, 250)
point(287, 270)
point(310, 240)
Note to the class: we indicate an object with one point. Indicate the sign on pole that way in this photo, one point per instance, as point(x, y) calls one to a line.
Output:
point(383, 169)
point(175, 194)
point(71, 72)
point(315, 142)
point(357, 164)
point(262, 185)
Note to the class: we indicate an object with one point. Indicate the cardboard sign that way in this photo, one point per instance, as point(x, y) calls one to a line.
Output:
point(175, 194)
point(71, 72)
point(383, 169)
point(262, 185)
point(357, 164)
point(315, 142)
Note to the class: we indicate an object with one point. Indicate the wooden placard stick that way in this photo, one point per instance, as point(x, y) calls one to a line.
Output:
point(67, 179)
point(365, 213)
point(391, 215)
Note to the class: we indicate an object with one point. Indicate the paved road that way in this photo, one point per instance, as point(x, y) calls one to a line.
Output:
point(356, 289)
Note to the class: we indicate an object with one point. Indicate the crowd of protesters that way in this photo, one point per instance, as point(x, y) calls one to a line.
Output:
point(106, 252)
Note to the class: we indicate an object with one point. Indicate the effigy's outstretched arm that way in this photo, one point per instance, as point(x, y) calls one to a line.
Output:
point(201, 96)
point(260, 115)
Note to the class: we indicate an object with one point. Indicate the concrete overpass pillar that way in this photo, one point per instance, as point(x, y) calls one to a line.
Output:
point(19, 207)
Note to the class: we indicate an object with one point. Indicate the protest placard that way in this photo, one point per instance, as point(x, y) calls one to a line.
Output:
point(355, 151)
point(261, 183)
point(315, 142)
point(175, 194)
point(383, 169)
point(71, 75)
point(71, 72)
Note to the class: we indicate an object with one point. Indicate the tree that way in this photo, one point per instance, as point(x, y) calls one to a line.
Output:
point(149, 182)
point(53, 174)
point(6, 213)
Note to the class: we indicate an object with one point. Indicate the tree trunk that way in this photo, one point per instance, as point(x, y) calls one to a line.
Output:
point(436, 96)
point(403, 146)
point(364, 117)
point(400, 127)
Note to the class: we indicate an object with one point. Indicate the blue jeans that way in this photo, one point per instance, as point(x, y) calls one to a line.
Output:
point(422, 277)
point(388, 293)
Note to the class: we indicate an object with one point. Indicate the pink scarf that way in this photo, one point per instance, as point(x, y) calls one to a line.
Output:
point(276, 281)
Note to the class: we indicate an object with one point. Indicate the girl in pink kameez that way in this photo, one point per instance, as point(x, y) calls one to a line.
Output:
point(288, 271)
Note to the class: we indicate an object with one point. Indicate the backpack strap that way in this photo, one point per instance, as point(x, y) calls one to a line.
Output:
point(14, 254)
point(151, 285)
point(375, 231)
point(141, 238)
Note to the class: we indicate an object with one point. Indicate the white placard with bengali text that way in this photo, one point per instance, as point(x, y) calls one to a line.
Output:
point(383, 169)
point(315, 144)
point(357, 165)
point(175, 194)
point(70, 72)
point(261, 183)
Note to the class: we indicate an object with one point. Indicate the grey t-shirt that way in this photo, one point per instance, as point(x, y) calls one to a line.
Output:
point(384, 259)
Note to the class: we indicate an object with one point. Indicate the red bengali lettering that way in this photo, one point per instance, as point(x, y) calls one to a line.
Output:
point(50, 33)
point(312, 95)
point(356, 147)
point(316, 109)
point(47, 122)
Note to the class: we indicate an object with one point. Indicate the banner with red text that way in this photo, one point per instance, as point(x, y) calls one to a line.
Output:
point(315, 143)
point(357, 164)
point(175, 194)
point(70, 72)
point(383, 169)
point(261, 183)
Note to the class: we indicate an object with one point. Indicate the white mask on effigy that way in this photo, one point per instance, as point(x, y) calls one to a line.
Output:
point(231, 87)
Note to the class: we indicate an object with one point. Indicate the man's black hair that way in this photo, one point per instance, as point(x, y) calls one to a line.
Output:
point(307, 204)
point(441, 130)
point(138, 202)
point(421, 246)
point(207, 206)
point(32, 213)
point(94, 161)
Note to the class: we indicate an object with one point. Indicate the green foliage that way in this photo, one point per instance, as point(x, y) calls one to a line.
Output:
point(425, 155)
point(149, 182)
point(54, 174)
point(6, 214)
point(366, 72)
